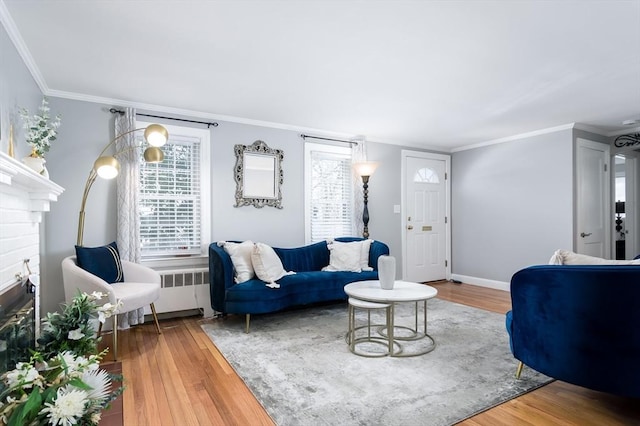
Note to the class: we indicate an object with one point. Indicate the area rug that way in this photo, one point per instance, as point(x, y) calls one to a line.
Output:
point(299, 367)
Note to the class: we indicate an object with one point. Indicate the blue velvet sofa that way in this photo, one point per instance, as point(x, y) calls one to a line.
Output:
point(308, 285)
point(579, 324)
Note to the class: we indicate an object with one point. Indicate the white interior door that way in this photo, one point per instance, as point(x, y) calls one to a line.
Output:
point(425, 209)
point(593, 200)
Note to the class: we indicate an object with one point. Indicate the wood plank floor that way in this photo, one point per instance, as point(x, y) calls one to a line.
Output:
point(180, 378)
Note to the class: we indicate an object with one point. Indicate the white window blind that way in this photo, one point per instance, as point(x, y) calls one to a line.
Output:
point(329, 192)
point(170, 200)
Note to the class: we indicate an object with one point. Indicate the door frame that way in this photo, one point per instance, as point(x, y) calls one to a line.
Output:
point(403, 213)
point(607, 196)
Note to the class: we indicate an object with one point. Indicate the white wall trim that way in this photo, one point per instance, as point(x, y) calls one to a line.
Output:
point(516, 137)
point(482, 282)
point(17, 40)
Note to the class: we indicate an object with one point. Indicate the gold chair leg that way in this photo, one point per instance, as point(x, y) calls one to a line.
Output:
point(247, 319)
point(155, 318)
point(519, 370)
point(115, 337)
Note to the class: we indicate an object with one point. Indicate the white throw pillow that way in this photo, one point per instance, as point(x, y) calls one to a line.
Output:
point(364, 255)
point(240, 254)
point(345, 256)
point(267, 264)
point(566, 257)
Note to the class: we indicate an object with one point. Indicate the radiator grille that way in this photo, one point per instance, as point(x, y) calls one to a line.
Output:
point(184, 278)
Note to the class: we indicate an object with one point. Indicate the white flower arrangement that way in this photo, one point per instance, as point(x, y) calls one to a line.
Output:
point(62, 384)
point(41, 131)
point(66, 390)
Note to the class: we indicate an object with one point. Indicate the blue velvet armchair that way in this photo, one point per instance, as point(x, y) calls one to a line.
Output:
point(579, 324)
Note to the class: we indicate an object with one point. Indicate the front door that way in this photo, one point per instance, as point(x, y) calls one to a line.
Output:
point(593, 205)
point(425, 217)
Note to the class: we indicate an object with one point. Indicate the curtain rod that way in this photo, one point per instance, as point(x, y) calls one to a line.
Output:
point(303, 136)
point(214, 124)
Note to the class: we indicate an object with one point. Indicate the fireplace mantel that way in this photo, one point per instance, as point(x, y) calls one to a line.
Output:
point(16, 177)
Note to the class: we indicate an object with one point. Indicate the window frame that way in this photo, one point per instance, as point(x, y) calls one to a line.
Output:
point(309, 147)
point(205, 198)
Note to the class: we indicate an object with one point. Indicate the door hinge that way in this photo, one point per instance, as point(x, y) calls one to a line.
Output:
point(605, 168)
point(446, 263)
point(446, 219)
point(445, 176)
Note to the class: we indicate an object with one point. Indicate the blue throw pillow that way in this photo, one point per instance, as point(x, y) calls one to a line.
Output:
point(103, 262)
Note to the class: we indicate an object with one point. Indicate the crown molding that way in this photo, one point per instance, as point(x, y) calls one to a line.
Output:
point(12, 30)
point(516, 137)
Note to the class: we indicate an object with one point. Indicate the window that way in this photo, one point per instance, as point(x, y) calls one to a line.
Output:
point(328, 192)
point(173, 198)
point(426, 175)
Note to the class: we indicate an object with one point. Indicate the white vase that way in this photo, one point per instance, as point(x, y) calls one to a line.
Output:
point(386, 271)
point(34, 163)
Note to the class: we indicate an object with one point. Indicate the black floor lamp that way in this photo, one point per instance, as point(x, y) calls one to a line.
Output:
point(365, 169)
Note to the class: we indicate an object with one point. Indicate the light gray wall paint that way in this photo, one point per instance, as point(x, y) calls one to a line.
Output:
point(88, 127)
point(18, 89)
point(512, 205)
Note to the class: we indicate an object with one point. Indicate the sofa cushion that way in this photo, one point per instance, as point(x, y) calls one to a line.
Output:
point(312, 257)
point(566, 257)
point(349, 256)
point(266, 263)
point(103, 262)
point(299, 289)
point(240, 254)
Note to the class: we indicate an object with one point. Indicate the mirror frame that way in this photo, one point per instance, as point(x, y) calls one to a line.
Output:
point(260, 148)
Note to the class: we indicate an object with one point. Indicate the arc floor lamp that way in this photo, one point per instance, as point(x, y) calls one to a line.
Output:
point(108, 166)
point(365, 169)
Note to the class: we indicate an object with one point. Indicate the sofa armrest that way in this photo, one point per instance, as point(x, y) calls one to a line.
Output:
point(377, 249)
point(220, 276)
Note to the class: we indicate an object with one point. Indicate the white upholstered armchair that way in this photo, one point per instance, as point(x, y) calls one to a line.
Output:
point(141, 288)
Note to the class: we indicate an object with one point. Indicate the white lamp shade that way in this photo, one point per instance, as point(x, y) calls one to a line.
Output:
point(107, 167)
point(156, 135)
point(366, 168)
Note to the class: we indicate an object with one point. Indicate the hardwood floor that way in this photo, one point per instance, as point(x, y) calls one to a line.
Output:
point(180, 378)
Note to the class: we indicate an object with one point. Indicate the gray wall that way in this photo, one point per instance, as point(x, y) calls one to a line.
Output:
point(512, 205)
point(17, 89)
point(88, 127)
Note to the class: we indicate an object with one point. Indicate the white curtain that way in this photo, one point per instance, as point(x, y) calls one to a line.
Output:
point(128, 238)
point(358, 154)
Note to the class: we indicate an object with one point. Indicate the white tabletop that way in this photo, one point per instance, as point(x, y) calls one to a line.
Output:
point(403, 291)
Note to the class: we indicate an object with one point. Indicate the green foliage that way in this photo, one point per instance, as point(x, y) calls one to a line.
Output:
point(72, 329)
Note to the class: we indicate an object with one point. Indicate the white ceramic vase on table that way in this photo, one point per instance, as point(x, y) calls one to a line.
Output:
point(386, 271)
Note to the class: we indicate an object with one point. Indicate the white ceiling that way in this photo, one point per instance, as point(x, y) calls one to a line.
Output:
point(442, 74)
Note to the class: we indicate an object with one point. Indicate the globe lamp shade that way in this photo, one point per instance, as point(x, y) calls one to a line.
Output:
point(156, 135)
point(153, 154)
point(107, 167)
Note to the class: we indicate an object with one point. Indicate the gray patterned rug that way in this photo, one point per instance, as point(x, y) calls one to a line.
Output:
point(298, 365)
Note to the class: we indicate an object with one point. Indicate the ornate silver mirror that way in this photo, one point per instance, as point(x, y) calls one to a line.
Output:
point(258, 175)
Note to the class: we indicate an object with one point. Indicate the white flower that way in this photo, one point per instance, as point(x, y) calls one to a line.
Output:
point(108, 310)
point(96, 417)
point(24, 374)
point(68, 407)
point(76, 334)
point(99, 382)
point(76, 365)
point(96, 295)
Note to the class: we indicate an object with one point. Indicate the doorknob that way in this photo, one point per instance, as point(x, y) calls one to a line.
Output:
point(582, 234)
point(410, 227)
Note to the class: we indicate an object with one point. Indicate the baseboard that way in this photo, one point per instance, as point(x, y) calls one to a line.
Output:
point(482, 282)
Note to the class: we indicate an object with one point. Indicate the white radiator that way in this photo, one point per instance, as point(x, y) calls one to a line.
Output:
point(183, 290)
